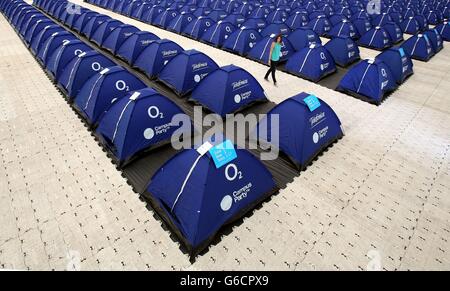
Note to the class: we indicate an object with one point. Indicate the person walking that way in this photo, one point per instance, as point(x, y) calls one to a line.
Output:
point(274, 58)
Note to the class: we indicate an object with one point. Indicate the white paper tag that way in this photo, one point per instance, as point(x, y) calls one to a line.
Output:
point(135, 96)
point(104, 71)
point(82, 54)
point(204, 148)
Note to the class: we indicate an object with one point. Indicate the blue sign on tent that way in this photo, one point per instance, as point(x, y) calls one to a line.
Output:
point(402, 52)
point(312, 102)
point(223, 153)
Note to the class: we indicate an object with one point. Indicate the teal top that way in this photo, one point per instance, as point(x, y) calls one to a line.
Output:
point(276, 53)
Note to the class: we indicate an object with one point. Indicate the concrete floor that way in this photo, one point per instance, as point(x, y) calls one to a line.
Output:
point(378, 199)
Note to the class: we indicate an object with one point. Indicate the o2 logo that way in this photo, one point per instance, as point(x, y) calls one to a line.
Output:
point(228, 29)
point(154, 112)
point(252, 36)
point(383, 72)
point(322, 56)
point(78, 52)
point(96, 66)
point(232, 173)
point(122, 86)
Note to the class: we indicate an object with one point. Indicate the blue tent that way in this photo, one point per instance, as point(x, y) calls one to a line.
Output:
point(136, 10)
point(218, 33)
point(394, 31)
point(446, 13)
point(139, 11)
point(410, 25)
point(435, 39)
point(343, 50)
point(321, 25)
point(166, 17)
point(132, 47)
point(26, 22)
point(103, 89)
point(104, 30)
point(423, 23)
point(297, 19)
point(277, 16)
point(217, 14)
point(244, 9)
point(138, 122)
point(337, 18)
point(261, 50)
point(303, 37)
point(198, 27)
point(149, 15)
point(236, 19)
point(52, 43)
point(35, 28)
point(202, 11)
point(398, 62)
point(302, 133)
point(362, 25)
point(396, 17)
point(117, 37)
point(80, 69)
point(189, 9)
point(155, 56)
point(242, 40)
point(63, 54)
point(434, 17)
point(344, 29)
point(92, 25)
point(255, 23)
point(185, 71)
point(20, 15)
point(227, 90)
point(376, 38)
point(38, 41)
point(419, 47)
point(73, 17)
point(83, 20)
point(381, 19)
point(312, 63)
point(180, 22)
point(370, 80)
point(275, 28)
point(196, 198)
point(444, 30)
point(262, 11)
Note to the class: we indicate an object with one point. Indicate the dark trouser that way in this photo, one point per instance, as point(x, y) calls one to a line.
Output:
point(273, 69)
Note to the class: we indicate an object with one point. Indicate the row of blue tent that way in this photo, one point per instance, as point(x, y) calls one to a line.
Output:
point(215, 25)
point(302, 49)
point(374, 79)
point(305, 55)
point(132, 117)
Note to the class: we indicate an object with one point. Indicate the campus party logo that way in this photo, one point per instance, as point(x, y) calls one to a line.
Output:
point(324, 66)
point(169, 53)
point(199, 66)
point(237, 196)
point(318, 135)
point(239, 84)
point(238, 98)
point(316, 119)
